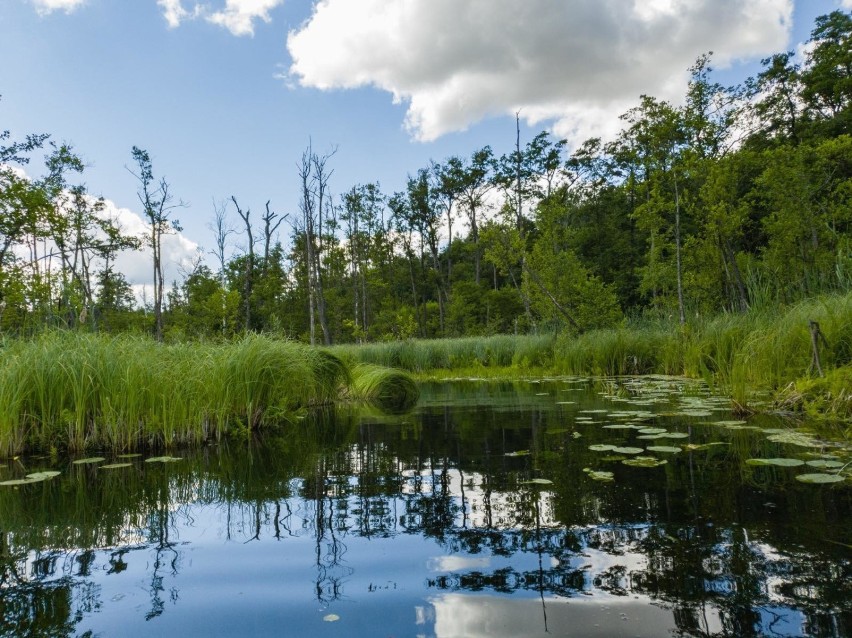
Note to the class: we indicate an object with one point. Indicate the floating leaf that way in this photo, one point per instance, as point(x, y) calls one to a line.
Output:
point(825, 464)
point(795, 438)
point(778, 462)
point(18, 482)
point(576, 435)
point(601, 447)
point(652, 430)
point(644, 461)
point(612, 457)
point(91, 459)
point(114, 466)
point(331, 618)
point(728, 423)
point(537, 481)
point(163, 459)
point(673, 435)
point(703, 446)
point(663, 448)
point(622, 426)
point(628, 450)
point(518, 453)
point(651, 437)
point(601, 476)
point(819, 478)
point(43, 476)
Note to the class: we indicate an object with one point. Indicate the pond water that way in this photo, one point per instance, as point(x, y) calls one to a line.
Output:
point(493, 509)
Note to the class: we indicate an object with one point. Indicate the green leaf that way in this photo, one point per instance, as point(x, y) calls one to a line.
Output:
point(91, 459)
point(819, 478)
point(780, 462)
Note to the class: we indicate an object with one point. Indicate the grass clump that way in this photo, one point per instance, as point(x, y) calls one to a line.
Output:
point(77, 391)
point(391, 390)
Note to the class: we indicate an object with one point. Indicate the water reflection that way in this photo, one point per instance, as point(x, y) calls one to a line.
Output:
point(426, 524)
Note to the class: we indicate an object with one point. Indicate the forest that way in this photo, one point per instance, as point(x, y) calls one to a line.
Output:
point(737, 199)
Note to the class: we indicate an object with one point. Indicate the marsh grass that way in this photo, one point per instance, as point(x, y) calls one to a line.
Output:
point(390, 389)
point(71, 390)
point(428, 355)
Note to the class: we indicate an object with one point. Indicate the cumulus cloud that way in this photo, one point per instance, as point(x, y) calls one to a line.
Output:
point(43, 7)
point(237, 16)
point(578, 63)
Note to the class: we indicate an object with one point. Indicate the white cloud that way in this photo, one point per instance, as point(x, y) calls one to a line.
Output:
point(846, 4)
point(44, 7)
point(579, 63)
point(175, 13)
point(237, 16)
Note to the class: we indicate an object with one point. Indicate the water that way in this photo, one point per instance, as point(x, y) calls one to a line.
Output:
point(428, 524)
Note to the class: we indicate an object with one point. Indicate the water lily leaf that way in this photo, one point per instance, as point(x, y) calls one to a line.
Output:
point(601, 447)
point(129, 456)
point(601, 476)
point(331, 618)
point(779, 462)
point(576, 435)
point(644, 461)
point(163, 459)
point(663, 448)
point(566, 403)
point(727, 423)
point(674, 435)
point(652, 430)
point(518, 453)
point(621, 426)
point(651, 437)
point(628, 450)
point(537, 481)
point(114, 466)
point(825, 464)
point(612, 457)
point(91, 459)
point(18, 482)
point(43, 476)
point(795, 438)
point(819, 478)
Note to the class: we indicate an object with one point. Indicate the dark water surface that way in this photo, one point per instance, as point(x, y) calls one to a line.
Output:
point(476, 515)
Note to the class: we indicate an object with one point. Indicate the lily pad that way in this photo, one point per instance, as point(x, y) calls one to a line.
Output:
point(91, 459)
point(331, 618)
point(779, 462)
point(728, 423)
point(652, 430)
point(668, 449)
point(129, 456)
point(673, 435)
point(602, 447)
point(620, 426)
point(518, 453)
point(601, 475)
point(18, 482)
point(651, 437)
point(819, 478)
point(114, 466)
point(825, 464)
point(537, 481)
point(43, 476)
point(795, 438)
point(628, 450)
point(168, 459)
point(644, 461)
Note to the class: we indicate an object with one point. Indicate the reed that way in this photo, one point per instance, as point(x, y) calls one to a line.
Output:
point(427, 355)
point(391, 390)
point(71, 390)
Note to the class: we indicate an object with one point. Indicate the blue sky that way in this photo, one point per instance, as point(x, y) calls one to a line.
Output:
point(227, 96)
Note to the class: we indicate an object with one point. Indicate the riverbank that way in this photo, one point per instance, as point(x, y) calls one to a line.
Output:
point(74, 391)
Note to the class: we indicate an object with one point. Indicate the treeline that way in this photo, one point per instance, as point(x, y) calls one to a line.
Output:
point(740, 197)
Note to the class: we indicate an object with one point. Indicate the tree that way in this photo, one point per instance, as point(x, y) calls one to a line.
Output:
point(157, 206)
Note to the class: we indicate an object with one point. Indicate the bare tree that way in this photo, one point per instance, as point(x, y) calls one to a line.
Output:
point(221, 231)
point(157, 205)
point(248, 274)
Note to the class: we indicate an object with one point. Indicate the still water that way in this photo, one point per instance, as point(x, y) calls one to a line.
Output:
point(483, 512)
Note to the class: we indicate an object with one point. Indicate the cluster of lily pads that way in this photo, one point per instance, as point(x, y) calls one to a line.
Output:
point(37, 477)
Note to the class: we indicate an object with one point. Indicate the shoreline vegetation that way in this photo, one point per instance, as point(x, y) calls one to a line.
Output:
point(77, 391)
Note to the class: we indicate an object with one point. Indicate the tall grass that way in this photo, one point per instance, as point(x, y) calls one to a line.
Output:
point(390, 389)
point(527, 351)
point(764, 349)
point(77, 390)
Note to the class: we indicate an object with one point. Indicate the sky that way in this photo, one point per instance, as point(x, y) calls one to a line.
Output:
point(226, 94)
